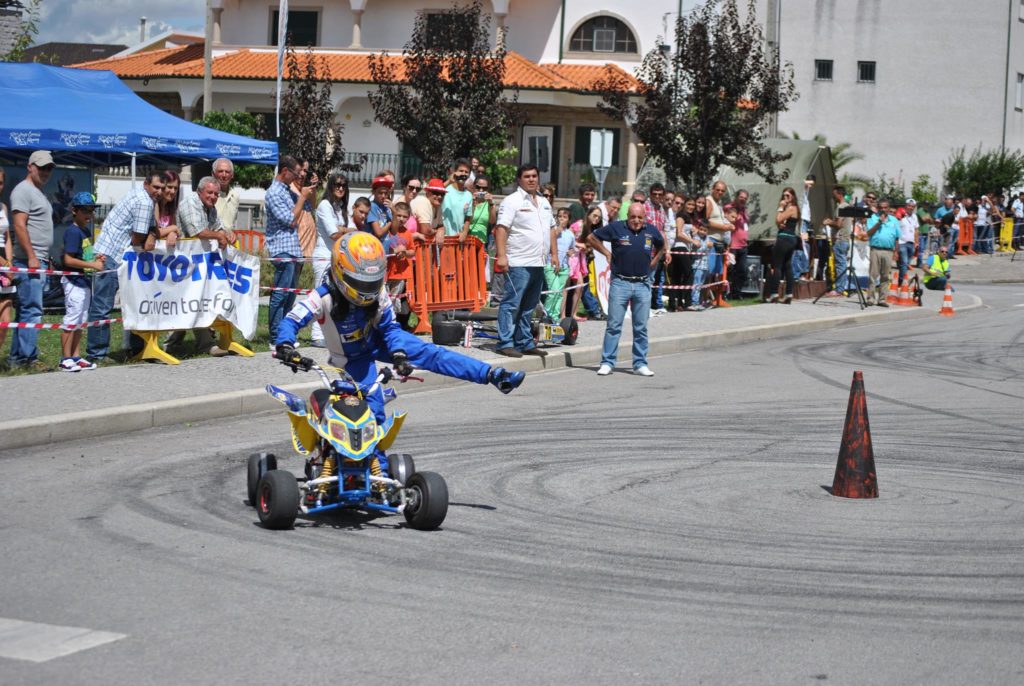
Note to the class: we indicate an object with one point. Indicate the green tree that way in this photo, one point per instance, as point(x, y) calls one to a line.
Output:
point(924, 191)
point(709, 104)
point(496, 155)
point(26, 32)
point(242, 124)
point(980, 172)
point(446, 100)
point(888, 188)
point(309, 128)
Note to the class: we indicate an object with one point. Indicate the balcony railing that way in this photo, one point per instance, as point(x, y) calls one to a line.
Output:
point(376, 162)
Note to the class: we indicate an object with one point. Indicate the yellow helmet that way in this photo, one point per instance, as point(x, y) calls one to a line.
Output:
point(359, 267)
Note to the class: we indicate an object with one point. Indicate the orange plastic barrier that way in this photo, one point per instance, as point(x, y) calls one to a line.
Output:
point(965, 242)
point(450, 276)
point(250, 241)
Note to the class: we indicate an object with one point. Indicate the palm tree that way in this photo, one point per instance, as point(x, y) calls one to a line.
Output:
point(842, 155)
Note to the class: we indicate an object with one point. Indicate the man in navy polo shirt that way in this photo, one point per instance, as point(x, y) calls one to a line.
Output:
point(637, 247)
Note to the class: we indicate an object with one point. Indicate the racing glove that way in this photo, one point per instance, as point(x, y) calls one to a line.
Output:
point(401, 363)
point(290, 356)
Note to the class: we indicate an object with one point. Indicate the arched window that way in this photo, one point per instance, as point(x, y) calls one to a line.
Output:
point(603, 34)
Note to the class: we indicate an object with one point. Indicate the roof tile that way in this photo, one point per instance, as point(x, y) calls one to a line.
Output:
point(187, 62)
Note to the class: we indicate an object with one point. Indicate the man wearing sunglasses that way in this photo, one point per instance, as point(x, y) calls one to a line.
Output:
point(458, 201)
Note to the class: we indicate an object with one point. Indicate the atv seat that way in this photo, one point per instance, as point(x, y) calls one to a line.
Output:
point(318, 400)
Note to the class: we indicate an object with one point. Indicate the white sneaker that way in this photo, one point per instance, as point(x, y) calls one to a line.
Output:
point(660, 311)
point(68, 364)
point(643, 371)
point(605, 370)
point(84, 365)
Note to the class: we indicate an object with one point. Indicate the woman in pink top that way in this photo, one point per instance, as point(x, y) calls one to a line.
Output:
point(579, 262)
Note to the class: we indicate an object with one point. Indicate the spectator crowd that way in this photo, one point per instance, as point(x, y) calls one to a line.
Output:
point(539, 253)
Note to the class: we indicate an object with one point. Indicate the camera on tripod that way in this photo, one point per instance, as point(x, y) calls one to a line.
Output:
point(855, 212)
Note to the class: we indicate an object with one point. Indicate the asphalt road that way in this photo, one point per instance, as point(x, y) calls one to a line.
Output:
point(605, 531)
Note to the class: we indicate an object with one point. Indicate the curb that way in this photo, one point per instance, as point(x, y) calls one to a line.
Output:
point(23, 433)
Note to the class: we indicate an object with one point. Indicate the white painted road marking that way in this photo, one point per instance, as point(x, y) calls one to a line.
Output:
point(41, 642)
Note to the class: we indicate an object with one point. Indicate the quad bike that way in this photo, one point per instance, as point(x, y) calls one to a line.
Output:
point(456, 327)
point(346, 465)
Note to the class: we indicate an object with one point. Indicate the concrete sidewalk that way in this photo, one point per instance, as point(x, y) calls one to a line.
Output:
point(116, 399)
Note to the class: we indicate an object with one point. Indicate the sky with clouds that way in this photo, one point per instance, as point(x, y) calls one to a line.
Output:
point(115, 21)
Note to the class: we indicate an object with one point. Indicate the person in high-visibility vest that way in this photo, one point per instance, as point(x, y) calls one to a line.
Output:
point(936, 271)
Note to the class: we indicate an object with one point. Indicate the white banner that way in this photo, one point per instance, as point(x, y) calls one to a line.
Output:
point(188, 287)
point(602, 276)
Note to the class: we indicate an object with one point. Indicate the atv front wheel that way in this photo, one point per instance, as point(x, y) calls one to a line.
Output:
point(428, 500)
point(277, 499)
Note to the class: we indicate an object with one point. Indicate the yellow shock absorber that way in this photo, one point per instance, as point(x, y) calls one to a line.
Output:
point(328, 470)
point(375, 470)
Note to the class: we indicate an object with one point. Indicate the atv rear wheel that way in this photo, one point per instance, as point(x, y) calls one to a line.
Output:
point(277, 499)
point(259, 464)
point(571, 327)
point(401, 467)
point(428, 500)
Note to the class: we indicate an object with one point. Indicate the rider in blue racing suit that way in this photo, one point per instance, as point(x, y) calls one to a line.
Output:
point(362, 327)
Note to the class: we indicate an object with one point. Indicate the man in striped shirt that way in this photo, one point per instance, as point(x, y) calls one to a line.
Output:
point(284, 207)
point(126, 225)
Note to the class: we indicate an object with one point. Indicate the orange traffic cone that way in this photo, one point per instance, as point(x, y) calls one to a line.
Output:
point(947, 302)
point(855, 470)
point(905, 298)
point(894, 296)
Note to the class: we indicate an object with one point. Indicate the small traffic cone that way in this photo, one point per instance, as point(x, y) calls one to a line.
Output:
point(894, 296)
point(905, 298)
point(855, 470)
point(947, 302)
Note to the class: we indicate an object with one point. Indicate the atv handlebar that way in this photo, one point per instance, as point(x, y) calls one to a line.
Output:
point(346, 384)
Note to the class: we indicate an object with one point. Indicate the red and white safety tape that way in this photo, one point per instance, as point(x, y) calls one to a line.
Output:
point(286, 290)
point(316, 259)
point(71, 327)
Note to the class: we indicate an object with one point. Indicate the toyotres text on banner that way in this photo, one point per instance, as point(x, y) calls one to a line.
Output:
point(189, 286)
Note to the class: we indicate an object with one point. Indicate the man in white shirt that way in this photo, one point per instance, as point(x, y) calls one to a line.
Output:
point(522, 239)
point(610, 210)
point(908, 237)
point(1018, 219)
point(227, 200)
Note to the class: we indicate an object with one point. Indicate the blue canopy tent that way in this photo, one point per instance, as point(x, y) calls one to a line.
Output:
point(90, 118)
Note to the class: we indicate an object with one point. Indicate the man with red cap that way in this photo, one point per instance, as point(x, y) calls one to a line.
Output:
point(378, 220)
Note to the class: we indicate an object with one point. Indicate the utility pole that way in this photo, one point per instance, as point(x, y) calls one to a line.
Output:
point(208, 61)
point(772, 21)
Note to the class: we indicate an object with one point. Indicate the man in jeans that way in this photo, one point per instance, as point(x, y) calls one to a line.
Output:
point(32, 228)
point(126, 226)
point(637, 247)
point(522, 239)
point(842, 228)
point(284, 207)
point(883, 233)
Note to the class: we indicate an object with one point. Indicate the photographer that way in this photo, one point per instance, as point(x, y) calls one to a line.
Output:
point(843, 232)
point(284, 208)
point(483, 214)
point(936, 271)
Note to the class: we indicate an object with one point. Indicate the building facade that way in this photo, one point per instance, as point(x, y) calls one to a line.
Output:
point(904, 82)
point(557, 50)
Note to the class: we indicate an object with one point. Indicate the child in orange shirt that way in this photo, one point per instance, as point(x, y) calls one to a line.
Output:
point(398, 244)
